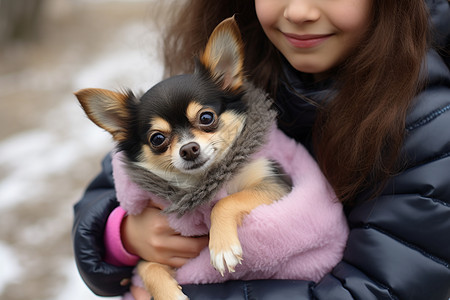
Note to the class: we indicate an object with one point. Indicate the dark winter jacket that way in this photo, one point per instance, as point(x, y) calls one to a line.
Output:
point(399, 242)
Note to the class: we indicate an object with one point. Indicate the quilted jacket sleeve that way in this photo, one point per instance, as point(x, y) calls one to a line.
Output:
point(401, 240)
point(91, 214)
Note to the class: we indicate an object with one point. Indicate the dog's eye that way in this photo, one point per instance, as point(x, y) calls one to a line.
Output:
point(207, 118)
point(157, 139)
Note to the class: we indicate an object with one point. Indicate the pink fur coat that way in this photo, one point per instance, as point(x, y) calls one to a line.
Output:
point(301, 236)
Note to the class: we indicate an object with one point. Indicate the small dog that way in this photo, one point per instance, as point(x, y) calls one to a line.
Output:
point(183, 128)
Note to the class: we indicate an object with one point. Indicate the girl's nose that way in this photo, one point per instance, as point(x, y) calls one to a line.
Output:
point(299, 11)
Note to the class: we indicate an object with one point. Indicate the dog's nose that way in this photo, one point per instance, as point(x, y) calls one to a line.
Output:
point(190, 151)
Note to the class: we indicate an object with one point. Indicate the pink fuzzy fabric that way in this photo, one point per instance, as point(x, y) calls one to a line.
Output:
point(301, 236)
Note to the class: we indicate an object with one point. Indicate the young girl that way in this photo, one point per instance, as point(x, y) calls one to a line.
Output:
point(356, 83)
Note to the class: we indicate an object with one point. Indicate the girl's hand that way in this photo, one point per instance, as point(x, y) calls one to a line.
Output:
point(149, 236)
point(139, 293)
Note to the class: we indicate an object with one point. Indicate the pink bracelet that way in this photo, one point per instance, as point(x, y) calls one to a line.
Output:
point(116, 254)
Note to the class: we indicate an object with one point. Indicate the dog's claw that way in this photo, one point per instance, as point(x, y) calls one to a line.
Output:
point(183, 297)
point(177, 296)
point(228, 259)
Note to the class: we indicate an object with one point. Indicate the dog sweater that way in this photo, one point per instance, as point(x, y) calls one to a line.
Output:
point(301, 236)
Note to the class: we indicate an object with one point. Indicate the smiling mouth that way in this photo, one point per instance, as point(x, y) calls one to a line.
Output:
point(306, 40)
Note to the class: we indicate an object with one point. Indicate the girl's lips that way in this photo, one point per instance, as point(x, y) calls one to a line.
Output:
point(306, 40)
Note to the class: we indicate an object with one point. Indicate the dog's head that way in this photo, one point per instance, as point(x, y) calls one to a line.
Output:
point(184, 124)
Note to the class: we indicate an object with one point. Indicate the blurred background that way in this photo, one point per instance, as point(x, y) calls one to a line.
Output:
point(49, 151)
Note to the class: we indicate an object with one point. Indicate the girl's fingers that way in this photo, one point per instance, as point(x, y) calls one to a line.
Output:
point(176, 262)
point(150, 236)
point(155, 205)
point(179, 248)
point(188, 247)
point(139, 293)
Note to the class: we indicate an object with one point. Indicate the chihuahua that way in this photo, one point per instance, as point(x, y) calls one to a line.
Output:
point(181, 129)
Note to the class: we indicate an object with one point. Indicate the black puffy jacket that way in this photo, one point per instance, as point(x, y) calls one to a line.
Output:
point(399, 243)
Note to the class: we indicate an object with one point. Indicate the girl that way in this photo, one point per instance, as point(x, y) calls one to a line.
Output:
point(357, 83)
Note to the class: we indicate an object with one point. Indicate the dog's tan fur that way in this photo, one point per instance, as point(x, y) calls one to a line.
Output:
point(93, 100)
point(159, 279)
point(227, 68)
point(255, 187)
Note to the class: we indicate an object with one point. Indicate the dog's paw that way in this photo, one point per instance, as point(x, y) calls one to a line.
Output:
point(226, 258)
point(159, 281)
point(181, 296)
point(172, 294)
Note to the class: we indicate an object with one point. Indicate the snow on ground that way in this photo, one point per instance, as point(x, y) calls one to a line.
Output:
point(10, 270)
point(52, 149)
point(49, 150)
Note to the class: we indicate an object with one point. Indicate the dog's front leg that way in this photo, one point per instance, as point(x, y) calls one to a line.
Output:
point(159, 281)
point(224, 245)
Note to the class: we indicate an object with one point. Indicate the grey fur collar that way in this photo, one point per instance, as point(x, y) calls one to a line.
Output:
point(258, 124)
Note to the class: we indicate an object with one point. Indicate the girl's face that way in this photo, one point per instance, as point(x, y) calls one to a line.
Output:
point(314, 35)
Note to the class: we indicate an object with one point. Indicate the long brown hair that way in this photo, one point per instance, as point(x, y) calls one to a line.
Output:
point(193, 22)
point(359, 134)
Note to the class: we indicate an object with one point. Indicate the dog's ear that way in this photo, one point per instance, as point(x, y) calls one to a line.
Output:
point(224, 55)
point(106, 109)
